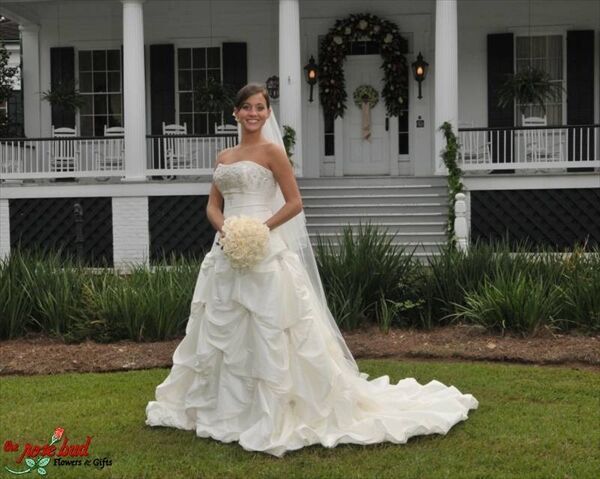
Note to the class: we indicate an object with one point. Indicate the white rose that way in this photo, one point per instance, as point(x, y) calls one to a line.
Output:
point(246, 241)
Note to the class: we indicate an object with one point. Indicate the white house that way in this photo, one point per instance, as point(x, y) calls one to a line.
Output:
point(137, 63)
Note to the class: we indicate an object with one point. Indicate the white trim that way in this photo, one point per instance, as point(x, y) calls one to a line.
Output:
point(114, 189)
point(4, 229)
point(539, 182)
point(540, 30)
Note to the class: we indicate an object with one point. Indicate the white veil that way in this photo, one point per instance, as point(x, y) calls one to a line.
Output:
point(295, 235)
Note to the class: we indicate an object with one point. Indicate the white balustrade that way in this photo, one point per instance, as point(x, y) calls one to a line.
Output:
point(547, 148)
point(185, 155)
point(105, 157)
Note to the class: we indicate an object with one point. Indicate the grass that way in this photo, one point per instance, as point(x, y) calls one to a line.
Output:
point(532, 422)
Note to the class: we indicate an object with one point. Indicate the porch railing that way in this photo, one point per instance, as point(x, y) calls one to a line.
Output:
point(543, 147)
point(185, 154)
point(104, 157)
point(41, 158)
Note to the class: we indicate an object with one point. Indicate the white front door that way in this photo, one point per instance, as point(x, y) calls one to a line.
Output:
point(365, 157)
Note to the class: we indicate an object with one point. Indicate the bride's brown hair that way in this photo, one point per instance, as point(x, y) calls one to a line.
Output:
point(249, 90)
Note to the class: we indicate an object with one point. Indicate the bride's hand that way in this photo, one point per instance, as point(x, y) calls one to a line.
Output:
point(221, 236)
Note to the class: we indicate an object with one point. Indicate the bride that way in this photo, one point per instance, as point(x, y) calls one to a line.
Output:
point(263, 361)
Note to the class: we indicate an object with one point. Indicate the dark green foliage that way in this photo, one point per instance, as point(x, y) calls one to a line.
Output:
point(455, 186)
point(531, 86)
point(367, 280)
point(367, 276)
point(7, 75)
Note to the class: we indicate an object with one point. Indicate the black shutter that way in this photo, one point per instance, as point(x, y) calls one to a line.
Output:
point(62, 72)
point(580, 93)
point(162, 86)
point(500, 64)
point(235, 69)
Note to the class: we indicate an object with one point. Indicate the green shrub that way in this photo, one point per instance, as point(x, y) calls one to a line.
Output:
point(40, 291)
point(364, 274)
point(580, 288)
point(146, 305)
point(15, 302)
point(515, 302)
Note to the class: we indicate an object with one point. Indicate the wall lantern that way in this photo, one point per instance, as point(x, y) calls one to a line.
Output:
point(311, 70)
point(420, 71)
point(273, 87)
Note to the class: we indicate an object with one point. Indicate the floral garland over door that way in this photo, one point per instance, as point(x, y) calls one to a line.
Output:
point(336, 45)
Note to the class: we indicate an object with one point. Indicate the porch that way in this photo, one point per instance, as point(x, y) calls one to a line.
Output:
point(102, 158)
point(526, 149)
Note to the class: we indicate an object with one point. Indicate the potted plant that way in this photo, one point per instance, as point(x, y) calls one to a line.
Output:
point(213, 96)
point(531, 86)
point(65, 95)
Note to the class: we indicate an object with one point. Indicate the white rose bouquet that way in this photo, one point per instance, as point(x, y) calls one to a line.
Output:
point(245, 242)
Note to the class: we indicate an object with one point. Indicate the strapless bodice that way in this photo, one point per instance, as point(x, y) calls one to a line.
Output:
point(247, 188)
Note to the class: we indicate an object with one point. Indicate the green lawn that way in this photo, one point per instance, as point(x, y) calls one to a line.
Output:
point(532, 422)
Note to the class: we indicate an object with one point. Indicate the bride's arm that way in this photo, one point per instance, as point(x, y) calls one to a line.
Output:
point(214, 206)
point(284, 175)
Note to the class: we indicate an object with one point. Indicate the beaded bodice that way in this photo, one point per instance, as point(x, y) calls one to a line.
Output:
point(246, 186)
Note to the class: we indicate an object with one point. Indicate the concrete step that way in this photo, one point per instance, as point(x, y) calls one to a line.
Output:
point(376, 199)
point(369, 210)
point(373, 181)
point(417, 191)
point(433, 227)
point(413, 211)
point(375, 218)
point(406, 237)
point(420, 248)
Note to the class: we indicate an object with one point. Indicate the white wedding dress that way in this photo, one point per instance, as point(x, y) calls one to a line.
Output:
point(258, 365)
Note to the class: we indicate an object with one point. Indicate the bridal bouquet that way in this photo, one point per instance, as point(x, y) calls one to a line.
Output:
point(245, 242)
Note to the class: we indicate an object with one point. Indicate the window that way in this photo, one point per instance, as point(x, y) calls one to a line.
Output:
point(403, 137)
point(194, 67)
point(3, 109)
point(544, 53)
point(364, 47)
point(329, 135)
point(100, 84)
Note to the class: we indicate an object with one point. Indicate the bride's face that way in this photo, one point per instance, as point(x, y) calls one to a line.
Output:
point(253, 113)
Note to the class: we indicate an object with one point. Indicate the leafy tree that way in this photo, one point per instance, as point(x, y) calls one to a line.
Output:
point(7, 75)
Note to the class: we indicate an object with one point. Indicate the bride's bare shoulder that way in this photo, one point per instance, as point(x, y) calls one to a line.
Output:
point(272, 150)
point(224, 154)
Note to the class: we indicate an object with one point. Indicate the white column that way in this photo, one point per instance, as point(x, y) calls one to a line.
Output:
point(134, 90)
point(290, 74)
point(131, 236)
point(446, 74)
point(4, 229)
point(30, 80)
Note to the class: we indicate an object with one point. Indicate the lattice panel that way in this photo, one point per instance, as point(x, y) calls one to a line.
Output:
point(178, 224)
point(559, 218)
point(49, 223)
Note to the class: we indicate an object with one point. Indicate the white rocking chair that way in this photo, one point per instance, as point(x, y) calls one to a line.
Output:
point(111, 151)
point(176, 149)
point(64, 154)
point(536, 141)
